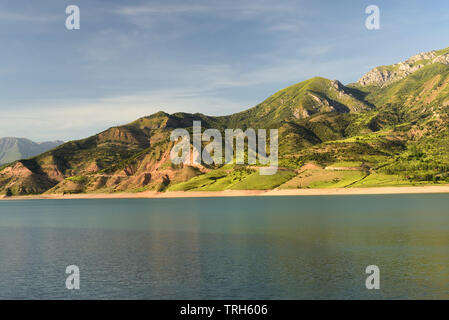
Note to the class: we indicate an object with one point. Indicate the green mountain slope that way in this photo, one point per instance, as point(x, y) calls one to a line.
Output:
point(300, 101)
point(12, 149)
point(389, 132)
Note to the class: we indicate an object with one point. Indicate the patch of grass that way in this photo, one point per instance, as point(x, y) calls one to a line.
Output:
point(344, 179)
point(318, 178)
point(259, 182)
point(346, 164)
point(216, 180)
point(81, 179)
point(199, 181)
point(382, 180)
point(442, 51)
point(392, 67)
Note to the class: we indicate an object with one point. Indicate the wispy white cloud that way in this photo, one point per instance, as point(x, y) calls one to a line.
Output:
point(30, 17)
point(67, 120)
point(161, 8)
point(248, 8)
point(267, 11)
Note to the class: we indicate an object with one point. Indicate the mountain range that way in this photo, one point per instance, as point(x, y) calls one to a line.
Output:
point(12, 149)
point(387, 129)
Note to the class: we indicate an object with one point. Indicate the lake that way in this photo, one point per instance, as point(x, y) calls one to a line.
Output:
point(303, 247)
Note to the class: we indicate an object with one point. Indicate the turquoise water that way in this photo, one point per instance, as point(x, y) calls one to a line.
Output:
point(313, 247)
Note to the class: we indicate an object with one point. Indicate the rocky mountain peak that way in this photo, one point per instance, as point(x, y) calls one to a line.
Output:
point(385, 75)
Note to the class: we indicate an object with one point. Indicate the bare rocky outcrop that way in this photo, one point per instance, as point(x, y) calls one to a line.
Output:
point(384, 75)
point(17, 170)
point(22, 180)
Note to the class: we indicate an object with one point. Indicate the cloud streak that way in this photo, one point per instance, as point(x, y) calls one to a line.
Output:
point(79, 119)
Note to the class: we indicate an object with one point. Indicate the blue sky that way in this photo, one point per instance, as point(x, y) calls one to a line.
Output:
point(133, 58)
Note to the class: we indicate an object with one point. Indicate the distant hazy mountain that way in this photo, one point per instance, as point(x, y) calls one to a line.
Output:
point(388, 129)
point(12, 149)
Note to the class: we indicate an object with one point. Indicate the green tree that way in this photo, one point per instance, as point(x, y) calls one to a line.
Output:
point(8, 192)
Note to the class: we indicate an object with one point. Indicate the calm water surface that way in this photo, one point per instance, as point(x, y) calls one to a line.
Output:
point(226, 248)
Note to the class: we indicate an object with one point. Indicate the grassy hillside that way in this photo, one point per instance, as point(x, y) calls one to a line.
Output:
point(330, 135)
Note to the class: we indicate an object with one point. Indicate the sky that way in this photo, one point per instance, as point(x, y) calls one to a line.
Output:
point(130, 59)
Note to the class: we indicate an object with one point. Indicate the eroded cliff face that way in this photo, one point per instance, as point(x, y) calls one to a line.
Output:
point(118, 159)
point(385, 75)
point(23, 180)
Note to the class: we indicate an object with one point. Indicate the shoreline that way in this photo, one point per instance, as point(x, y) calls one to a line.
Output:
point(240, 193)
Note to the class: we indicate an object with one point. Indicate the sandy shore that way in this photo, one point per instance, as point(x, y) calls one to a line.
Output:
point(241, 193)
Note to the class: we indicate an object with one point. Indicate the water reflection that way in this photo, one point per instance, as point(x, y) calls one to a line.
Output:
point(230, 248)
